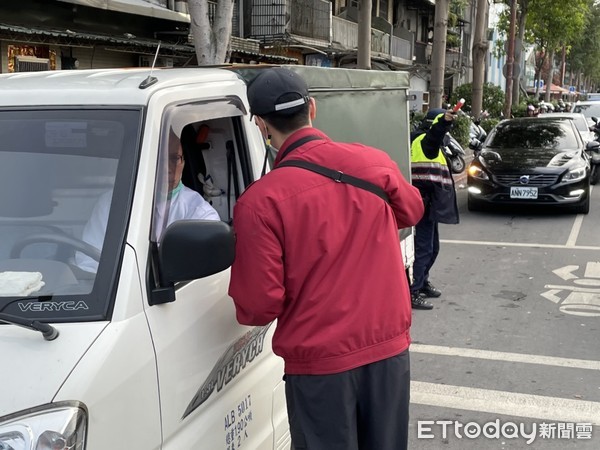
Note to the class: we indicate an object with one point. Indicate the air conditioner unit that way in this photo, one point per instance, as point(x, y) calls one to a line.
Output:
point(161, 61)
point(31, 64)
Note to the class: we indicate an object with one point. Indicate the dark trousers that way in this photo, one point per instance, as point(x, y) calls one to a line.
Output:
point(427, 247)
point(361, 409)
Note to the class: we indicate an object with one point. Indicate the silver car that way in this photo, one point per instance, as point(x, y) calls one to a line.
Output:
point(580, 122)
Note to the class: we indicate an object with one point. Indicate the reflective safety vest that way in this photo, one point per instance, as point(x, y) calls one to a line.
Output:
point(433, 178)
point(429, 170)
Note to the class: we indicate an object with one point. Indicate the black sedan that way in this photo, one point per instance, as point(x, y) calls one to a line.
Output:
point(532, 160)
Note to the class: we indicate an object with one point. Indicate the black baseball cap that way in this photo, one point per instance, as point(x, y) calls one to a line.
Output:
point(277, 90)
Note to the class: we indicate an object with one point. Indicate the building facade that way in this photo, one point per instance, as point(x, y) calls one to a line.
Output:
point(83, 34)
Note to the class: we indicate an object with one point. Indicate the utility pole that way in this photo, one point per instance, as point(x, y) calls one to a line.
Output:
point(438, 53)
point(363, 59)
point(510, 59)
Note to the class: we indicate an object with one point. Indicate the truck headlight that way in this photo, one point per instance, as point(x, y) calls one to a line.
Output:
point(575, 174)
point(61, 426)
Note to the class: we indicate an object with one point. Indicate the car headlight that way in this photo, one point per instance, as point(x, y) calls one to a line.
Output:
point(575, 174)
point(61, 426)
point(477, 172)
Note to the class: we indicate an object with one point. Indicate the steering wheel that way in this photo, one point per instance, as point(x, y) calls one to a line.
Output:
point(60, 239)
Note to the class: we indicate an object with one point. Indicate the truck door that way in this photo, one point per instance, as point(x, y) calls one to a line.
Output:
point(220, 384)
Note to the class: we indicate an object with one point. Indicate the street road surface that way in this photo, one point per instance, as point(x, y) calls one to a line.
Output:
point(514, 341)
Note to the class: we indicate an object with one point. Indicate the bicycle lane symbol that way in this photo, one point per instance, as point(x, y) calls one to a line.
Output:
point(583, 297)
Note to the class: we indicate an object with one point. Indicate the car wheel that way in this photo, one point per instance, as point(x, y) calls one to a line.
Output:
point(474, 204)
point(595, 176)
point(584, 206)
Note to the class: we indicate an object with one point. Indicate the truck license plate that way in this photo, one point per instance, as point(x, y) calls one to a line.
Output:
point(523, 192)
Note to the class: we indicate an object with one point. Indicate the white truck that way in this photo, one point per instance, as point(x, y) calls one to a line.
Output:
point(144, 352)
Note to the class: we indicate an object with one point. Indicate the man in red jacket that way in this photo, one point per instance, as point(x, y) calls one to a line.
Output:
point(323, 258)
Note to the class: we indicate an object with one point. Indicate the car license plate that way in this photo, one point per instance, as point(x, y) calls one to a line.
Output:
point(523, 192)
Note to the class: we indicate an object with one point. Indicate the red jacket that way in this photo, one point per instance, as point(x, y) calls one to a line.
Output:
point(324, 259)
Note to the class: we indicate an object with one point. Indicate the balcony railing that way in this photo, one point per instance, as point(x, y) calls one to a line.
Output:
point(276, 18)
point(345, 35)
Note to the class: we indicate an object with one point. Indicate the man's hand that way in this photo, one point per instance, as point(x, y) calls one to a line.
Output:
point(449, 116)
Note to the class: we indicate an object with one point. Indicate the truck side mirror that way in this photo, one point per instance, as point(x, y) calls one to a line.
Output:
point(192, 249)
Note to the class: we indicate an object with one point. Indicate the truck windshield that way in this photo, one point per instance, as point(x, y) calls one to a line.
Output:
point(65, 177)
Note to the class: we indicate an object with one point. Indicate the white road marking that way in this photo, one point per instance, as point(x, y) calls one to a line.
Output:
point(505, 356)
point(574, 288)
point(519, 244)
point(575, 231)
point(551, 295)
point(566, 272)
point(506, 403)
point(592, 270)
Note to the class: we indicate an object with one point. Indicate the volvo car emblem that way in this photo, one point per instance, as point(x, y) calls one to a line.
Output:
point(524, 179)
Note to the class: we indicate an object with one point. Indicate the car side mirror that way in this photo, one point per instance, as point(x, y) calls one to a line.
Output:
point(594, 119)
point(592, 146)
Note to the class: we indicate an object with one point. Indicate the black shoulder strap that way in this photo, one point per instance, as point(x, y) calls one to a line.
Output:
point(298, 143)
point(337, 176)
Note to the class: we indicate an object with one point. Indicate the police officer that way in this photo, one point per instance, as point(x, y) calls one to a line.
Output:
point(432, 176)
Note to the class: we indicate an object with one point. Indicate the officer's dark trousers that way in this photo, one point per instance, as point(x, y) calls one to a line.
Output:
point(361, 409)
point(427, 247)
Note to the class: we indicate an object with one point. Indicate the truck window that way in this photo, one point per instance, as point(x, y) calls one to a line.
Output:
point(202, 165)
point(200, 156)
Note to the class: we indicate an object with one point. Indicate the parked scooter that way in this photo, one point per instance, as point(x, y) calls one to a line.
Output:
point(595, 155)
point(455, 154)
point(476, 136)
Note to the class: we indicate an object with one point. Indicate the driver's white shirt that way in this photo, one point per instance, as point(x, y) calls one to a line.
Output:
point(186, 204)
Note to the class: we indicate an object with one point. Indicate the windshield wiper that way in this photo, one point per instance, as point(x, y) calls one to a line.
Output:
point(48, 331)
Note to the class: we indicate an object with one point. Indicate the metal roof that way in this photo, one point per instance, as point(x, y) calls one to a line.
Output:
point(139, 7)
point(77, 38)
point(98, 87)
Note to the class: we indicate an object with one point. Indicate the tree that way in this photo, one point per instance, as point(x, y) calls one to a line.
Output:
point(545, 24)
point(363, 59)
point(551, 28)
point(211, 34)
point(584, 56)
point(480, 47)
point(438, 53)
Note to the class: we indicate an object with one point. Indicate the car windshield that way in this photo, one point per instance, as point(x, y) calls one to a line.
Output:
point(580, 123)
point(56, 167)
point(553, 135)
point(589, 110)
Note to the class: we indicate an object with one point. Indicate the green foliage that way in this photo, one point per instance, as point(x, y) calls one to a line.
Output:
point(520, 110)
point(493, 98)
point(488, 124)
point(460, 130)
point(452, 40)
point(584, 55)
point(551, 26)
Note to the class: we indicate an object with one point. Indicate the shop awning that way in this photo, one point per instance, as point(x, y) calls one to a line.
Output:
point(140, 7)
point(132, 44)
